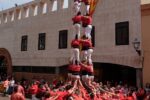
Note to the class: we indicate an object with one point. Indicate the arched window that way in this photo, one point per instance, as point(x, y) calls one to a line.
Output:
point(18, 14)
point(44, 8)
point(26, 12)
point(5, 17)
point(12, 16)
point(0, 20)
point(65, 4)
point(35, 10)
point(54, 7)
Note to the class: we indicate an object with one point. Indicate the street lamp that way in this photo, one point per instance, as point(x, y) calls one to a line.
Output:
point(136, 44)
point(139, 72)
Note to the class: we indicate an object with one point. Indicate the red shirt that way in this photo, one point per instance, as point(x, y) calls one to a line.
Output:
point(88, 68)
point(83, 91)
point(86, 43)
point(75, 43)
point(17, 96)
point(41, 90)
point(74, 68)
point(77, 97)
point(33, 89)
point(87, 20)
point(21, 89)
point(62, 95)
point(77, 19)
point(130, 98)
point(52, 93)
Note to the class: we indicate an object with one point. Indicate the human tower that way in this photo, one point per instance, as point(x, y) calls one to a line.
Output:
point(81, 66)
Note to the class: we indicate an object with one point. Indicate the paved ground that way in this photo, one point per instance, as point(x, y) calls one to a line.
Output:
point(6, 98)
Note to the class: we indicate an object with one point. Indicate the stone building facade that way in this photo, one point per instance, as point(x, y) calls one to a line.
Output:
point(26, 22)
point(145, 13)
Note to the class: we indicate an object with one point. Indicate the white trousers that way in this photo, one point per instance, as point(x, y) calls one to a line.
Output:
point(77, 29)
point(84, 55)
point(75, 53)
point(87, 31)
point(76, 7)
point(89, 55)
point(88, 9)
point(84, 78)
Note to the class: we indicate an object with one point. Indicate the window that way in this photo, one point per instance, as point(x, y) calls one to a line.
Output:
point(63, 37)
point(5, 17)
point(35, 10)
point(54, 7)
point(122, 33)
point(44, 8)
point(24, 43)
point(41, 42)
point(47, 70)
point(35, 69)
point(26, 10)
point(22, 68)
point(65, 4)
point(18, 14)
point(93, 35)
point(12, 16)
point(0, 20)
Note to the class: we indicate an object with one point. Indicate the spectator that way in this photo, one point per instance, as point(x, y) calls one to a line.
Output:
point(16, 94)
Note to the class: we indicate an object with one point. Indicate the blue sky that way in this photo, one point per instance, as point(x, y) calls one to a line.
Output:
point(5, 4)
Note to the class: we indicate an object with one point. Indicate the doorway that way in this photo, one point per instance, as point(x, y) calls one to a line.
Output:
point(116, 73)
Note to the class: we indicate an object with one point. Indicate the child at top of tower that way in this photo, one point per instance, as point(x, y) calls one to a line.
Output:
point(77, 6)
point(87, 3)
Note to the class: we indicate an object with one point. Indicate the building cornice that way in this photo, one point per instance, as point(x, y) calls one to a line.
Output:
point(145, 9)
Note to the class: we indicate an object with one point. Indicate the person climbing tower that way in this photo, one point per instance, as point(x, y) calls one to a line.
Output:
point(77, 23)
point(87, 25)
point(77, 6)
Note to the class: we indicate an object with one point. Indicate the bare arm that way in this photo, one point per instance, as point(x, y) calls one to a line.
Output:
point(73, 88)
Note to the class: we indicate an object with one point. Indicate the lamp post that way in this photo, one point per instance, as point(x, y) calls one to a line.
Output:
point(136, 45)
point(139, 72)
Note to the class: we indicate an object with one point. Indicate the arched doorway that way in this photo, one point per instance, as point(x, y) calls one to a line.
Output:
point(5, 62)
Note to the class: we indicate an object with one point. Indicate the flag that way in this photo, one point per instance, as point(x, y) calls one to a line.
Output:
point(93, 4)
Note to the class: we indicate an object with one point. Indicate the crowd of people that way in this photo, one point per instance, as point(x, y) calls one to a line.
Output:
point(76, 89)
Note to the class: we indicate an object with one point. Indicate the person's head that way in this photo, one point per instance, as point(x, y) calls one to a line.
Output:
point(79, 13)
point(77, 92)
point(69, 98)
point(15, 89)
point(84, 62)
point(92, 95)
point(47, 94)
point(84, 37)
point(86, 14)
point(76, 37)
point(68, 87)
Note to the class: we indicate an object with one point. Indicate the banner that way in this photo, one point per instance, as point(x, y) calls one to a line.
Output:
point(93, 4)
